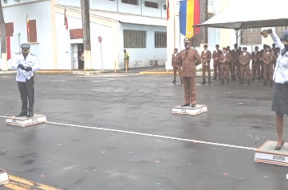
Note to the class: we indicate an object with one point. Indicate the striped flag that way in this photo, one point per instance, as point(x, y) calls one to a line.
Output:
point(167, 9)
point(189, 16)
point(28, 28)
point(65, 20)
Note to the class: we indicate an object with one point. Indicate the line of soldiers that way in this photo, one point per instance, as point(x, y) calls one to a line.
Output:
point(234, 64)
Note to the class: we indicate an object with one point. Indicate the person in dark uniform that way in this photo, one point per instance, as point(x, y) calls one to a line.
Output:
point(189, 60)
point(206, 57)
point(176, 64)
point(280, 77)
point(256, 56)
point(26, 64)
point(234, 63)
point(216, 64)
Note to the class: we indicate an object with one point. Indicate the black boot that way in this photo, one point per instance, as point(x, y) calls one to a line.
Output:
point(22, 113)
point(30, 114)
point(184, 105)
point(174, 81)
point(203, 81)
point(209, 80)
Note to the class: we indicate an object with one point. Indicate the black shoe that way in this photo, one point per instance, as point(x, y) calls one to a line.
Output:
point(193, 105)
point(22, 113)
point(30, 114)
point(209, 81)
point(174, 81)
point(185, 105)
point(278, 147)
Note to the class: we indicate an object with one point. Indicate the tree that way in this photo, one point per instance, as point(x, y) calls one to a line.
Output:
point(85, 8)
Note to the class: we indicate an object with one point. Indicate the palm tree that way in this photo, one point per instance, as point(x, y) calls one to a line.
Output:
point(85, 8)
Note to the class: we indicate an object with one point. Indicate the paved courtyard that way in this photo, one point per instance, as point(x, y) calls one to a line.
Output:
point(116, 132)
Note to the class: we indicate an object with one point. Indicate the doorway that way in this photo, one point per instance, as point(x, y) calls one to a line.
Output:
point(77, 56)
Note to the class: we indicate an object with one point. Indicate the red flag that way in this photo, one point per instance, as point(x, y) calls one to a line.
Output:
point(167, 9)
point(65, 20)
point(197, 15)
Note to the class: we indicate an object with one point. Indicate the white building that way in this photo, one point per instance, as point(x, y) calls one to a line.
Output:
point(139, 26)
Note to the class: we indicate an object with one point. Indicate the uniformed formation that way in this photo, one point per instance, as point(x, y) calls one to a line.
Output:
point(234, 64)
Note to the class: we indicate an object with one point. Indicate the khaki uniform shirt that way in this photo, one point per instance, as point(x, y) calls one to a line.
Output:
point(244, 59)
point(189, 60)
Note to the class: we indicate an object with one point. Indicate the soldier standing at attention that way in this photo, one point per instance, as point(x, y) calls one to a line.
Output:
point(268, 59)
point(234, 62)
point(225, 62)
point(189, 60)
point(216, 64)
point(126, 60)
point(261, 62)
point(256, 56)
point(176, 64)
point(244, 59)
point(26, 64)
point(206, 57)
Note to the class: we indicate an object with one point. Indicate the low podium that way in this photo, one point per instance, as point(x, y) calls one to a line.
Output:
point(188, 110)
point(3, 177)
point(267, 155)
point(24, 121)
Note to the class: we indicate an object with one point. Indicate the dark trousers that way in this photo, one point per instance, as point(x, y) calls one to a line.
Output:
point(26, 90)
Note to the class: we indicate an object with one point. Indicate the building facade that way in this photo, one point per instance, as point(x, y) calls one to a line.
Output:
point(138, 26)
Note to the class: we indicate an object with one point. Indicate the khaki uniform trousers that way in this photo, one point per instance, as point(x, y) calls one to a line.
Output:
point(175, 69)
point(225, 71)
point(245, 72)
point(256, 71)
point(268, 71)
point(190, 89)
point(206, 68)
point(216, 66)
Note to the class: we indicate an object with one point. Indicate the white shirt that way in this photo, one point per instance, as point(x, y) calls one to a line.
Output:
point(281, 68)
point(30, 61)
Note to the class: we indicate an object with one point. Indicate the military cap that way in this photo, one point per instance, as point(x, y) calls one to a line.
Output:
point(187, 39)
point(25, 46)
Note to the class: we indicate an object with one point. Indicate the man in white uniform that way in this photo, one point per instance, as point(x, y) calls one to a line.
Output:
point(26, 64)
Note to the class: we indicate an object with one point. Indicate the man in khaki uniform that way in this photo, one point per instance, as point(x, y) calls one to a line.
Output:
point(225, 62)
point(216, 64)
point(206, 57)
point(256, 55)
point(189, 60)
point(126, 60)
point(244, 60)
point(268, 59)
point(176, 64)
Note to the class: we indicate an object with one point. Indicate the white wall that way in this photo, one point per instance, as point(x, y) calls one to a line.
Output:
point(141, 57)
point(120, 7)
point(41, 12)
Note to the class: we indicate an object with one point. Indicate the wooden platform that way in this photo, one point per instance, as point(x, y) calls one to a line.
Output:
point(24, 121)
point(188, 110)
point(3, 177)
point(266, 154)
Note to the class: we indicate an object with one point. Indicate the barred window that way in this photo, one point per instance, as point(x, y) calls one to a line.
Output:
point(280, 30)
point(160, 40)
point(151, 4)
point(251, 36)
point(133, 2)
point(134, 39)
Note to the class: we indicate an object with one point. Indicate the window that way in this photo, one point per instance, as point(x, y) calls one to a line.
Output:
point(134, 39)
point(280, 30)
point(151, 4)
point(32, 31)
point(160, 40)
point(133, 2)
point(251, 36)
point(164, 6)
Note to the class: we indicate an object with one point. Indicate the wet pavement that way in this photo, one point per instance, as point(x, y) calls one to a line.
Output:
point(101, 135)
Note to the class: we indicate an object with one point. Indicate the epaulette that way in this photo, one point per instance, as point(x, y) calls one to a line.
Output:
point(32, 54)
